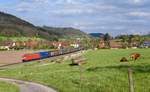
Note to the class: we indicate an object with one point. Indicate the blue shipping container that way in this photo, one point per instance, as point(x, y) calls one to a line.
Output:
point(44, 55)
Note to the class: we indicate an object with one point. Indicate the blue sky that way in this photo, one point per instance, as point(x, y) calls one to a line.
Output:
point(112, 16)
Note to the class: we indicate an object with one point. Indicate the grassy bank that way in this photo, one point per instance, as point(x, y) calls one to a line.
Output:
point(102, 73)
point(6, 87)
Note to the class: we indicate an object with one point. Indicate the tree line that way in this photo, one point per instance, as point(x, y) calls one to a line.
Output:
point(127, 41)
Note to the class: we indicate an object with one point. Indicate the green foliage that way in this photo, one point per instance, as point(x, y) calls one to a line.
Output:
point(131, 40)
point(86, 43)
point(107, 39)
point(90, 43)
point(95, 43)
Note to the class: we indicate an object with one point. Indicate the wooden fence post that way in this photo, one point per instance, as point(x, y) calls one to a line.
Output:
point(130, 78)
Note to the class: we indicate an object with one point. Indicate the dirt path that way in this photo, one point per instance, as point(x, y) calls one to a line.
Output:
point(29, 86)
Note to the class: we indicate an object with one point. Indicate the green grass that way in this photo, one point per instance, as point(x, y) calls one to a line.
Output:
point(102, 73)
point(7, 87)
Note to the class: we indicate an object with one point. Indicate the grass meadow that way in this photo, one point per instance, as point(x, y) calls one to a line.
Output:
point(103, 72)
point(7, 87)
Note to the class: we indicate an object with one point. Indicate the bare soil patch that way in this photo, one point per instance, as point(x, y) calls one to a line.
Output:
point(9, 57)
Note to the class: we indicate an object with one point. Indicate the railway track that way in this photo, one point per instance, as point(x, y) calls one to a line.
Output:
point(54, 57)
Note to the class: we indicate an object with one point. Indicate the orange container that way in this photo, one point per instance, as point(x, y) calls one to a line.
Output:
point(28, 57)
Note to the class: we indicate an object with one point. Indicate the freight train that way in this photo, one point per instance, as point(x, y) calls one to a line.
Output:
point(48, 54)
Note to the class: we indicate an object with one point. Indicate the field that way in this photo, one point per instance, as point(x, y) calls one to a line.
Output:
point(6, 87)
point(102, 73)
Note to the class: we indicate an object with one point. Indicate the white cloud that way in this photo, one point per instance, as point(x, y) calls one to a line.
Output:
point(35, 1)
point(25, 7)
point(137, 2)
point(139, 14)
point(73, 11)
point(32, 5)
point(69, 1)
point(63, 7)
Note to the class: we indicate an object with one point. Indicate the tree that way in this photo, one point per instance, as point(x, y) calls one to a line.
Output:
point(107, 39)
point(139, 40)
point(131, 40)
point(95, 43)
point(124, 39)
point(86, 43)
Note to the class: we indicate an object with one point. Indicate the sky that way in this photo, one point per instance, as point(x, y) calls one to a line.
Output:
point(103, 16)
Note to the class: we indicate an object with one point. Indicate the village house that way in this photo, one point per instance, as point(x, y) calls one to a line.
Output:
point(5, 45)
point(60, 45)
point(75, 45)
point(113, 44)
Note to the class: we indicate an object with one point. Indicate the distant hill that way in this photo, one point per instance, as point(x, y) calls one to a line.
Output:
point(65, 32)
point(97, 34)
point(12, 26)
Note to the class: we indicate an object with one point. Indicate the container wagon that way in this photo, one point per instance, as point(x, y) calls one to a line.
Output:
point(44, 55)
